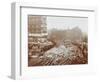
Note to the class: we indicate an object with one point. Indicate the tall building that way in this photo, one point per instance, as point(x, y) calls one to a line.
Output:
point(37, 28)
point(37, 25)
point(37, 35)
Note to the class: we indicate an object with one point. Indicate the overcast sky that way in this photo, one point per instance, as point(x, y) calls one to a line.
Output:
point(67, 22)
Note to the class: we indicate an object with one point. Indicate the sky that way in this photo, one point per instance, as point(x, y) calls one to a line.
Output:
point(67, 23)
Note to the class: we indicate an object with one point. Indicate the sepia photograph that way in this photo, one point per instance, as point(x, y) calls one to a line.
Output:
point(52, 41)
point(57, 40)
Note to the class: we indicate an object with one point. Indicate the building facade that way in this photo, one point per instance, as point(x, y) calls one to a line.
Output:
point(37, 24)
point(37, 35)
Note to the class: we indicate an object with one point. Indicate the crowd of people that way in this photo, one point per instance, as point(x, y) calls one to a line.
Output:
point(68, 53)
